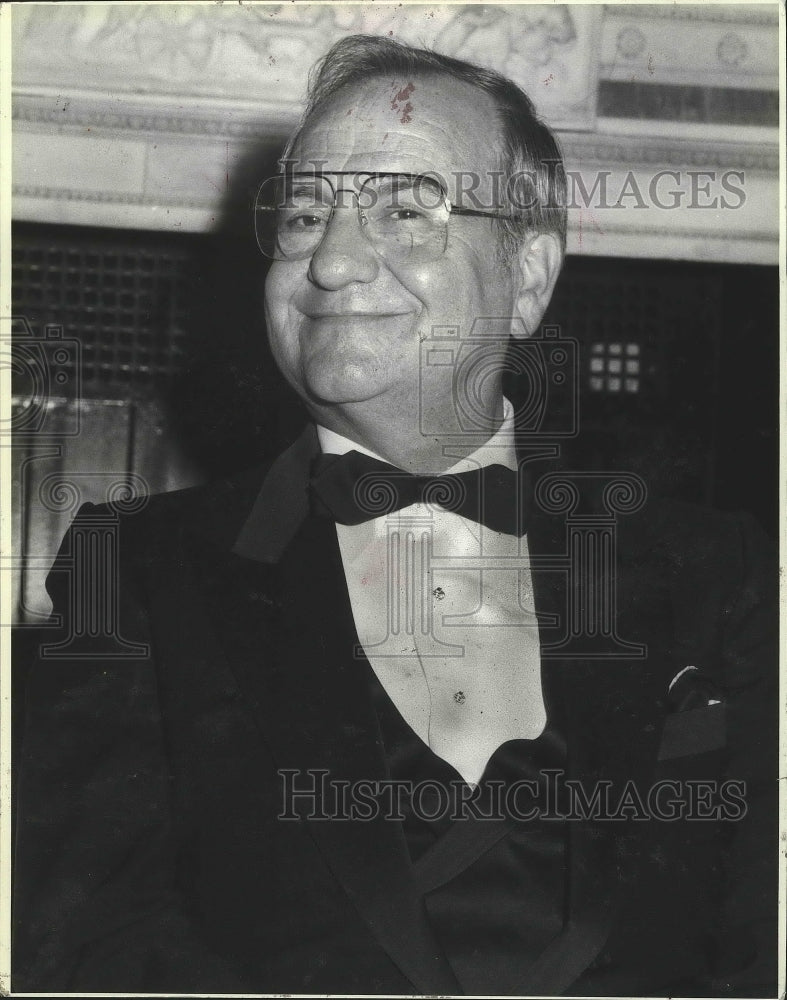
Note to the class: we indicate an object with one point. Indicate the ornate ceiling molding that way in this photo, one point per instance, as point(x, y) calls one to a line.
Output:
point(679, 233)
point(87, 115)
point(92, 113)
point(704, 48)
point(638, 150)
point(106, 197)
point(756, 14)
point(246, 51)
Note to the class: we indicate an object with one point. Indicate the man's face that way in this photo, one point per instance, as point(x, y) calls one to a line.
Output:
point(346, 326)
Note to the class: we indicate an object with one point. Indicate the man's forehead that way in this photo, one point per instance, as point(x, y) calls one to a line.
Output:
point(423, 124)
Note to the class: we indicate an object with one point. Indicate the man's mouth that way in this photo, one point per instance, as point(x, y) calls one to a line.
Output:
point(352, 315)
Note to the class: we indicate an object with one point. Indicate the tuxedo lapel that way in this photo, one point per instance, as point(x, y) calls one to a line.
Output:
point(608, 710)
point(603, 752)
point(287, 629)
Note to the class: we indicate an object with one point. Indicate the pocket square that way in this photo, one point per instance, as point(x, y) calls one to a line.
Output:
point(697, 720)
point(690, 689)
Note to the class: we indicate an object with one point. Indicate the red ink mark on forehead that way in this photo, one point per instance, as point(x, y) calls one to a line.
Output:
point(403, 94)
point(402, 103)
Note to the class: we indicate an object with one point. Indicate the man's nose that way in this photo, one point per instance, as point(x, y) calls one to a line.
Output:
point(344, 255)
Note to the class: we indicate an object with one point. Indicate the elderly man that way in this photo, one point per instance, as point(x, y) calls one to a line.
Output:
point(408, 711)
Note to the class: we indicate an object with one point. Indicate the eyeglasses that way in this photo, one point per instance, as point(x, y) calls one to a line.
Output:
point(403, 216)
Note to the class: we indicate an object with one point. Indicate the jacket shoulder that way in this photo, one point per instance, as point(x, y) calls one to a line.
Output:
point(215, 509)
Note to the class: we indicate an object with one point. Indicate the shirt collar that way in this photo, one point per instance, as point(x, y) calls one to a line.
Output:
point(282, 503)
point(498, 450)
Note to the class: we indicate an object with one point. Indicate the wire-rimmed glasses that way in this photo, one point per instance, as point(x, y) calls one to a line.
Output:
point(403, 216)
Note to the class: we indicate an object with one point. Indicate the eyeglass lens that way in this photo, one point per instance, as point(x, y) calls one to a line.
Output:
point(399, 214)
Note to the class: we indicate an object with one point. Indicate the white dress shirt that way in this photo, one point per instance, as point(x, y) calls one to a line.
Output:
point(455, 646)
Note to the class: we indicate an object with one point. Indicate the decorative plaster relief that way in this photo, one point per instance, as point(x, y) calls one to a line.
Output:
point(631, 42)
point(732, 50)
point(249, 53)
point(761, 14)
point(642, 44)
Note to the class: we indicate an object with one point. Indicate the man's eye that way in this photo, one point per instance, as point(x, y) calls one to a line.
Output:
point(303, 220)
point(405, 215)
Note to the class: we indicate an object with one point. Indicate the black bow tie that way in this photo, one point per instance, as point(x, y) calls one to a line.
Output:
point(354, 488)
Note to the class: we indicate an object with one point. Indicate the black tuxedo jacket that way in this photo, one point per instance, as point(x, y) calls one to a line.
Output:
point(150, 855)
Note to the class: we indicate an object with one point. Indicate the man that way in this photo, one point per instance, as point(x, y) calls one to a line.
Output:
point(412, 599)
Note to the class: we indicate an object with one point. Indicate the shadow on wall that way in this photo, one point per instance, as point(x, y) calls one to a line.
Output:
point(229, 405)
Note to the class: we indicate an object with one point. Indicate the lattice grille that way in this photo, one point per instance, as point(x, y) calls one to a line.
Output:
point(630, 316)
point(670, 102)
point(124, 300)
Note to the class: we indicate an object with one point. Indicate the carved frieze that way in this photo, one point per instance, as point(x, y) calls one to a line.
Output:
point(262, 52)
point(733, 47)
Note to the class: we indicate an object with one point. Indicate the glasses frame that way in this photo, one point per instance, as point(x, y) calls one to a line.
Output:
point(367, 175)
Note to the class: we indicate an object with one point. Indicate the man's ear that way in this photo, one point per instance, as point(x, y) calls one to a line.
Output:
point(538, 264)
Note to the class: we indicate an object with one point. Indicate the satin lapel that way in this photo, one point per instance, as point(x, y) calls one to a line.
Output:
point(608, 710)
point(289, 637)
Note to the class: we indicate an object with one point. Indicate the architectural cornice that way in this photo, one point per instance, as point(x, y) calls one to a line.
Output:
point(753, 14)
point(106, 197)
point(32, 111)
point(638, 150)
